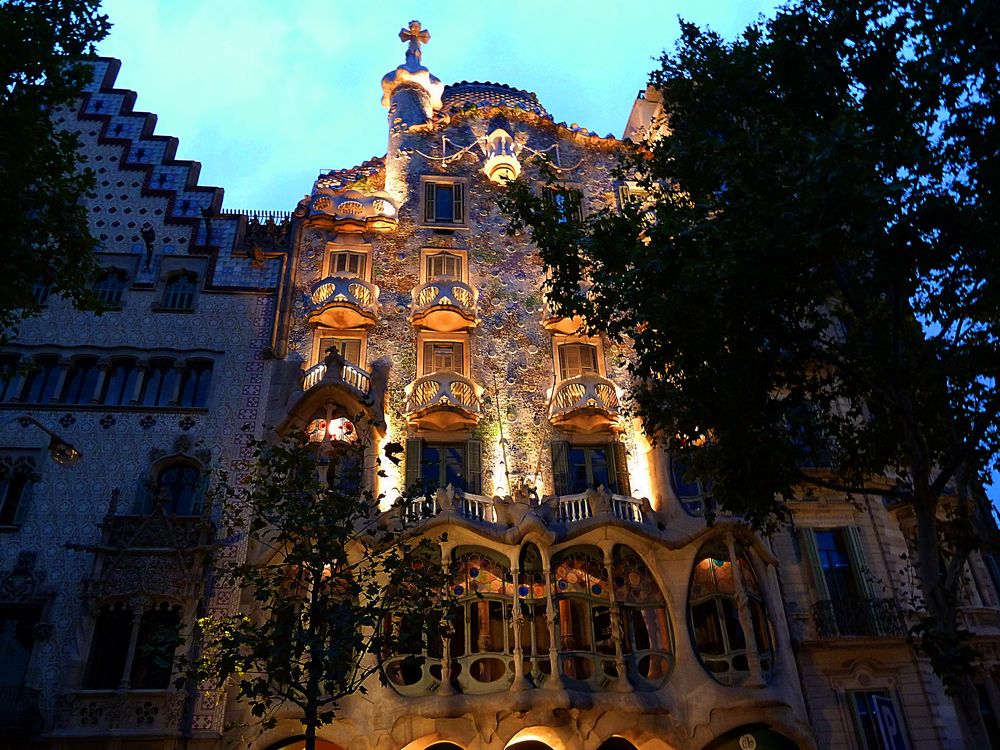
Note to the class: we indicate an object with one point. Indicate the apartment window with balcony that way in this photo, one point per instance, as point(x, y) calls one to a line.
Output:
point(157, 634)
point(444, 202)
point(878, 722)
point(444, 266)
point(443, 356)
point(845, 597)
point(576, 360)
point(694, 495)
point(578, 468)
point(431, 465)
point(17, 475)
point(348, 263)
point(349, 349)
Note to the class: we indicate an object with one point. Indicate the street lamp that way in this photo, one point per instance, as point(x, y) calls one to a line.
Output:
point(62, 451)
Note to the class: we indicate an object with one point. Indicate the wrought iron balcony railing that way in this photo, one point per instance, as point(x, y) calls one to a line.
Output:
point(838, 618)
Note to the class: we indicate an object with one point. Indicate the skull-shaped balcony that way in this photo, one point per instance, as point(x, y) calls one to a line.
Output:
point(343, 301)
point(443, 401)
point(445, 305)
point(586, 403)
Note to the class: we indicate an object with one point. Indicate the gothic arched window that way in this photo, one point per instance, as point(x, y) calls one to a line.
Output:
point(729, 640)
point(179, 488)
point(179, 291)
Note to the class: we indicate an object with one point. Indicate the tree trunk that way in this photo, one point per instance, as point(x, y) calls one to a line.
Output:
point(942, 611)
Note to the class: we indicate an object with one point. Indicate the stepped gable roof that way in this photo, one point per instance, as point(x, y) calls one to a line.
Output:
point(338, 179)
point(466, 94)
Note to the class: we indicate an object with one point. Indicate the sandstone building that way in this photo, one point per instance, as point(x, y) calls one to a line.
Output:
point(599, 609)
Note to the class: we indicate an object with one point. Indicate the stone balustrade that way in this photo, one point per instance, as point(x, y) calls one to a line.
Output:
point(340, 372)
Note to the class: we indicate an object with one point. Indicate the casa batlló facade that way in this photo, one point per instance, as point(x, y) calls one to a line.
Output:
point(599, 610)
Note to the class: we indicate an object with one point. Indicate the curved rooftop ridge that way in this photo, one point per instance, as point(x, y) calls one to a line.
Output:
point(464, 94)
point(336, 179)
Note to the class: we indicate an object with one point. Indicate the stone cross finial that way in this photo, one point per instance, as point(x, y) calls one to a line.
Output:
point(415, 36)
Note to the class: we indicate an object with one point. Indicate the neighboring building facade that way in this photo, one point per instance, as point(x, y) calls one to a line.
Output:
point(599, 609)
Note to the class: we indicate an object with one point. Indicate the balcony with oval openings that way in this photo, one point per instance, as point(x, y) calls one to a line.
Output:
point(582, 400)
point(444, 301)
point(443, 397)
point(344, 298)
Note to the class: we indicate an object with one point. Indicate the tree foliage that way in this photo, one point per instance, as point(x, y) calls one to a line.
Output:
point(813, 278)
point(325, 584)
point(46, 238)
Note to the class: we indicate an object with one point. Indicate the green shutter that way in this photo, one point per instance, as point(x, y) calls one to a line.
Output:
point(811, 555)
point(414, 449)
point(474, 466)
point(560, 466)
point(859, 567)
point(618, 469)
point(459, 205)
point(430, 194)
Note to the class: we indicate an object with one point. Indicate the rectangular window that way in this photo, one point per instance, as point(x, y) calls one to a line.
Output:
point(576, 360)
point(17, 473)
point(443, 356)
point(444, 202)
point(877, 720)
point(567, 202)
point(433, 465)
point(579, 468)
point(835, 563)
point(444, 266)
point(348, 263)
point(349, 349)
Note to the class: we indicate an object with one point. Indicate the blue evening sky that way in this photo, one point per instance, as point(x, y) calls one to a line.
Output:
point(266, 93)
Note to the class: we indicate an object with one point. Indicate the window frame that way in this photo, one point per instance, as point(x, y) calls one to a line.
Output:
point(22, 465)
point(460, 198)
point(427, 255)
point(188, 295)
point(425, 338)
point(340, 337)
point(859, 724)
point(107, 293)
point(363, 254)
point(550, 195)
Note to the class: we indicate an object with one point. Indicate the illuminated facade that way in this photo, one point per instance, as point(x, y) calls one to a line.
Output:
point(598, 609)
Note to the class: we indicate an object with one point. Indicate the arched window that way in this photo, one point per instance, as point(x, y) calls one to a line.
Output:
point(482, 582)
point(179, 487)
point(195, 382)
point(121, 382)
point(110, 286)
point(149, 666)
point(647, 645)
point(725, 638)
point(81, 380)
point(179, 291)
point(159, 384)
point(10, 384)
point(41, 381)
point(583, 601)
point(532, 590)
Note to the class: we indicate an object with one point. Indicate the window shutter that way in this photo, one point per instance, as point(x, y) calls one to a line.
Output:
point(414, 448)
point(428, 367)
point(459, 351)
point(852, 536)
point(560, 466)
point(352, 351)
point(459, 213)
point(474, 466)
point(588, 360)
point(618, 469)
point(430, 193)
point(811, 554)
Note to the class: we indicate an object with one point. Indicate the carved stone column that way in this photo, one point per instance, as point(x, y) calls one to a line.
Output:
point(65, 366)
point(617, 626)
point(142, 368)
point(138, 607)
point(103, 368)
point(746, 618)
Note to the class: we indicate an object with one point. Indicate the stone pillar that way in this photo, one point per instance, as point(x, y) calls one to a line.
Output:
point(142, 368)
point(103, 368)
point(617, 629)
point(746, 618)
point(65, 366)
point(138, 607)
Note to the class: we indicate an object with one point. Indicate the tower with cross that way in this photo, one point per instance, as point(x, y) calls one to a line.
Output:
point(411, 92)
